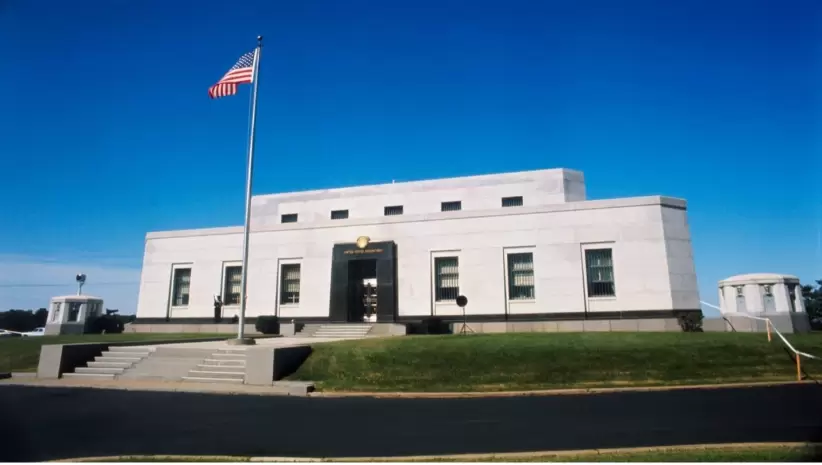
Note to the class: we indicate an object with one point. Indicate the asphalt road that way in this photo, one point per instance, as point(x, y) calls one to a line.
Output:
point(53, 423)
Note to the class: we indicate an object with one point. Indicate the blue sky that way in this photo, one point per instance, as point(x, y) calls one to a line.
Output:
point(106, 130)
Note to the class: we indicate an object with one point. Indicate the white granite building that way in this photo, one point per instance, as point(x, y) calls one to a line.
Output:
point(523, 246)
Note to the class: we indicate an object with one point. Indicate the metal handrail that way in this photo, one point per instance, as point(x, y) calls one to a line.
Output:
point(769, 325)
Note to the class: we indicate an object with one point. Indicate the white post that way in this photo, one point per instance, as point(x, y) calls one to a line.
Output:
point(248, 183)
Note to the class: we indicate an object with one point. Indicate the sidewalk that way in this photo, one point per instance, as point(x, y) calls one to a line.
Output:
point(551, 392)
point(279, 388)
point(296, 388)
point(288, 341)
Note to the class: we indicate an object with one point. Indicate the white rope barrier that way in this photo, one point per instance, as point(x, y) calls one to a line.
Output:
point(768, 326)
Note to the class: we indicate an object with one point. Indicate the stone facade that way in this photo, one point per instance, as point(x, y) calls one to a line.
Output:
point(777, 297)
point(652, 261)
point(68, 314)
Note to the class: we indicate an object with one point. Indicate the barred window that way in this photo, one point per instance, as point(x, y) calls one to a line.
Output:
point(451, 206)
point(290, 284)
point(447, 279)
point(393, 210)
point(74, 311)
point(521, 276)
point(339, 214)
point(288, 218)
point(600, 267)
point(232, 285)
point(512, 201)
point(181, 287)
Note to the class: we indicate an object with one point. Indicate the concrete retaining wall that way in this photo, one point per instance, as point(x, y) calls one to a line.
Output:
point(264, 365)
point(388, 329)
point(656, 324)
point(786, 323)
point(65, 328)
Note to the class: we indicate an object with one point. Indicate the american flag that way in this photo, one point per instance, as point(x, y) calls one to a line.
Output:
point(241, 73)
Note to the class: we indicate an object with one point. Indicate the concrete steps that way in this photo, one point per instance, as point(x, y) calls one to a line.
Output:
point(111, 363)
point(108, 364)
point(88, 376)
point(167, 364)
point(224, 366)
point(98, 370)
point(194, 379)
point(343, 331)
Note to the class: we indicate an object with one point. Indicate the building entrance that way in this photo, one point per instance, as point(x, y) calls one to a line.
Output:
point(363, 280)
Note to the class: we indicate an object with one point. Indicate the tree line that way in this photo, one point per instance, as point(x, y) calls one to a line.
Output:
point(26, 320)
point(23, 320)
point(813, 303)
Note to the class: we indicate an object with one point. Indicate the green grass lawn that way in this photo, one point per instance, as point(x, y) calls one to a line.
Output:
point(23, 353)
point(529, 361)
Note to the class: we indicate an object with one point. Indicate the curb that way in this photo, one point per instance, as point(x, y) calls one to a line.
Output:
point(161, 386)
point(464, 457)
point(277, 390)
point(552, 392)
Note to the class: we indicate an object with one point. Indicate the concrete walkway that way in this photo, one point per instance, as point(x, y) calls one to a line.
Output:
point(262, 342)
point(279, 388)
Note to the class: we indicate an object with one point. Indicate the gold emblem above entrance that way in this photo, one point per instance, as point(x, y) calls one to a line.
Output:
point(362, 241)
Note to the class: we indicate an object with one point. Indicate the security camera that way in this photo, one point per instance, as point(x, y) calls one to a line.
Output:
point(81, 278)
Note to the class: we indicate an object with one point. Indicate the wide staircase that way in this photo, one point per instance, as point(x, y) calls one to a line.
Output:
point(111, 363)
point(166, 364)
point(223, 366)
point(349, 330)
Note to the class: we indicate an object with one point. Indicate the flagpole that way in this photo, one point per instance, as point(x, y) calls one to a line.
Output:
point(241, 339)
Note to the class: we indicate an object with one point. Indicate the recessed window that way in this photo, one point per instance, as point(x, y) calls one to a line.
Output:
point(339, 214)
point(521, 276)
point(451, 206)
point(447, 279)
point(232, 285)
point(600, 271)
point(55, 314)
point(180, 287)
point(768, 290)
point(290, 283)
point(792, 296)
point(92, 310)
point(512, 201)
point(288, 218)
point(74, 311)
point(393, 210)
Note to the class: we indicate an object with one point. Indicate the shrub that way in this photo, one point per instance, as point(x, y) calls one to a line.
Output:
point(433, 325)
point(690, 322)
point(267, 324)
point(105, 324)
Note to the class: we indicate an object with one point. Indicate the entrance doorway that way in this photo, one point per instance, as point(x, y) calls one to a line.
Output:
point(362, 284)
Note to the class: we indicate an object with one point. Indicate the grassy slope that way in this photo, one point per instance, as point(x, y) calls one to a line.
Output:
point(499, 362)
point(23, 353)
